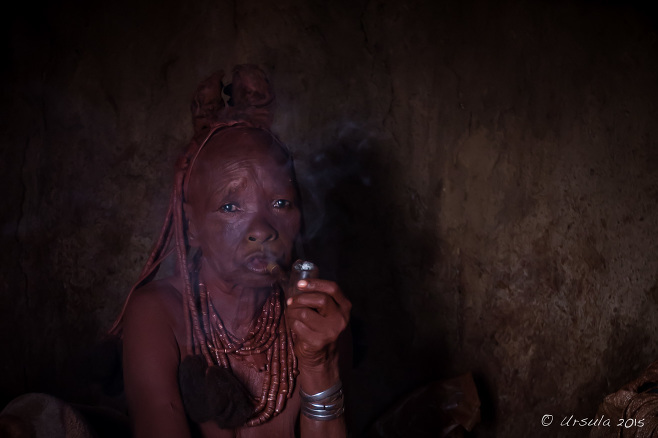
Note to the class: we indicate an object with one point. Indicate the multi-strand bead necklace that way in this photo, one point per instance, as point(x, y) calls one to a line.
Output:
point(269, 335)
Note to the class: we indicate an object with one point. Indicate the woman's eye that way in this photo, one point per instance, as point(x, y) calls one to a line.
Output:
point(281, 203)
point(229, 208)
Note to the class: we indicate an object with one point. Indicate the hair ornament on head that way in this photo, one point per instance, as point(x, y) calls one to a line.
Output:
point(249, 99)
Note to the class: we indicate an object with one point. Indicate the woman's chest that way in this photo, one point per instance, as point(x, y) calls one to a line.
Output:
point(254, 373)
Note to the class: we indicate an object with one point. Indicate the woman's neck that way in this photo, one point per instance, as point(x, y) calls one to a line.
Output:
point(238, 306)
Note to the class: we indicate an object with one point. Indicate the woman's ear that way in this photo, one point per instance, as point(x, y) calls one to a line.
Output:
point(190, 226)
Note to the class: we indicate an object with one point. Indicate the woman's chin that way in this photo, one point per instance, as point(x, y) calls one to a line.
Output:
point(257, 280)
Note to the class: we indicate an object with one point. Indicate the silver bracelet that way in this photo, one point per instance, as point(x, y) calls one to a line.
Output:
point(324, 406)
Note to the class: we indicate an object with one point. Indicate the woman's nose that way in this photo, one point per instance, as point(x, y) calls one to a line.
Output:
point(261, 230)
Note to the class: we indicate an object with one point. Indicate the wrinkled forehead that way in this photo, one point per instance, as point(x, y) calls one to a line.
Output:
point(236, 147)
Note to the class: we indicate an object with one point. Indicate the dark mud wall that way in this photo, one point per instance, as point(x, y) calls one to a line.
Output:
point(481, 179)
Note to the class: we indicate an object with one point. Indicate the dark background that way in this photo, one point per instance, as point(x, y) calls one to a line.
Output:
point(484, 180)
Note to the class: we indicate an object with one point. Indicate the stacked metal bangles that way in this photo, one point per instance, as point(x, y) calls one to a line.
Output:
point(324, 406)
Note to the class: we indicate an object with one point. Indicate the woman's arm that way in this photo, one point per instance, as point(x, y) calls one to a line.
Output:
point(317, 317)
point(150, 365)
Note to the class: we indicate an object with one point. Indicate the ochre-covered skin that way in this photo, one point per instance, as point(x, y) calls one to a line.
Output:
point(242, 213)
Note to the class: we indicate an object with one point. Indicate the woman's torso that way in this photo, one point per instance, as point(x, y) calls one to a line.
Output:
point(245, 369)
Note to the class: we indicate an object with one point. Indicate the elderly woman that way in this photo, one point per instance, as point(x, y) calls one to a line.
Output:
point(220, 348)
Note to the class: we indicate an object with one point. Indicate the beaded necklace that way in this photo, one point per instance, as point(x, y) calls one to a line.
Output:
point(268, 335)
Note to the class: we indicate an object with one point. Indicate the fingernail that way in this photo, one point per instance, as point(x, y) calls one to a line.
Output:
point(302, 284)
point(289, 302)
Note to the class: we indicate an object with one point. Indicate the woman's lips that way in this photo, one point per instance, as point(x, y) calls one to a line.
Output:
point(258, 264)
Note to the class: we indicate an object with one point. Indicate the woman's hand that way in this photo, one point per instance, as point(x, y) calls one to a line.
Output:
point(317, 316)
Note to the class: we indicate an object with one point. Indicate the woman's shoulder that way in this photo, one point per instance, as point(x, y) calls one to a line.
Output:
point(162, 292)
point(157, 304)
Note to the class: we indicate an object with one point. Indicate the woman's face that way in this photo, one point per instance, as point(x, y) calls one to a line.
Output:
point(242, 207)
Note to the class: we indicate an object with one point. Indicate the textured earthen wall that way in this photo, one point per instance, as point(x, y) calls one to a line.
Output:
point(481, 180)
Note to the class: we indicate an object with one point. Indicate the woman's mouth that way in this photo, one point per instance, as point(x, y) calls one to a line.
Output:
point(258, 264)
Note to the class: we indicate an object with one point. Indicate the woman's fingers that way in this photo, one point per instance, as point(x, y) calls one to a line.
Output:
point(320, 302)
point(328, 287)
point(307, 332)
point(317, 315)
point(330, 325)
